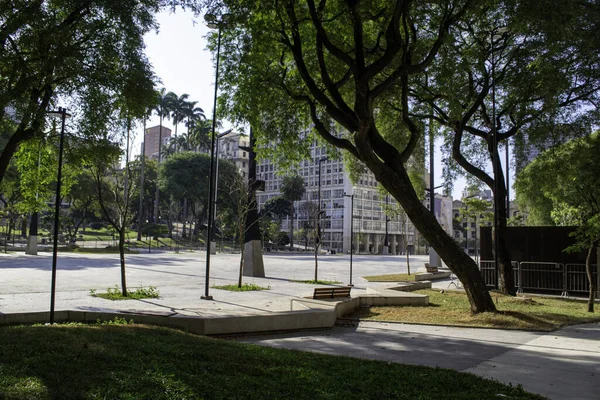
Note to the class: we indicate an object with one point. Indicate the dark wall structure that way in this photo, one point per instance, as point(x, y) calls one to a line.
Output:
point(535, 244)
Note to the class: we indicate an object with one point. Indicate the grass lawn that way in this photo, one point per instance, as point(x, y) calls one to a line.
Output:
point(391, 278)
point(452, 308)
point(136, 361)
point(246, 287)
point(115, 293)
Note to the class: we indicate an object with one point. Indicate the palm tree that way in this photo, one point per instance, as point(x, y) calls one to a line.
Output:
point(163, 109)
point(179, 109)
point(200, 135)
point(292, 189)
point(168, 149)
point(181, 143)
point(195, 117)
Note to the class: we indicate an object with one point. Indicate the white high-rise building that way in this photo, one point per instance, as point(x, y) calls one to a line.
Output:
point(369, 217)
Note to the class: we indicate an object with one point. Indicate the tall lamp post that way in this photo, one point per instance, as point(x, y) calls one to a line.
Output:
point(351, 232)
point(218, 24)
point(318, 233)
point(494, 34)
point(63, 115)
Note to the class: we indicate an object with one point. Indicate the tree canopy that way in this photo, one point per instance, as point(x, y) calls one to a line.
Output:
point(560, 186)
point(89, 54)
point(330, 66)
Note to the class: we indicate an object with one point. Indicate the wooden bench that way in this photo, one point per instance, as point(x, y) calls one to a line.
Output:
point(430, 269)
point(331, 293)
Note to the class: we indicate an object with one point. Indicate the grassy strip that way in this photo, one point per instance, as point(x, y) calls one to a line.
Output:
point(246, 287)
point(452, 308)
point(391, 278)
point(317, 282)
point(115, 293)
point(135, 362)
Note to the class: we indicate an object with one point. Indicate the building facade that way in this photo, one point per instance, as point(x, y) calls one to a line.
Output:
point(368, 219)
point(229, 149)
point(151, 140)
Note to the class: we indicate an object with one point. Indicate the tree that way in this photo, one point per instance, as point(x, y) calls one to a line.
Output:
point(508, 74)
point(185, 176)
point(90, 52)
point(292, 189)
point(478, 211)
point(566, 176)
point(179, 108)
point(113, 195)
point(164, 105)
point(336, 62)
point(81, 200)
point(277, 207)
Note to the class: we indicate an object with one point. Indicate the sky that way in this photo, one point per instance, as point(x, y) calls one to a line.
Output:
point(179, 55)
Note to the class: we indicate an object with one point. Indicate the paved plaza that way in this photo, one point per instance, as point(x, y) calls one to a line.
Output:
point(180, 277)
point(560, 365)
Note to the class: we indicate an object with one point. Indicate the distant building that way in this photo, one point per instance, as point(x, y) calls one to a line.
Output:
point(151, 140)
point(368, 217)
point(229, 150)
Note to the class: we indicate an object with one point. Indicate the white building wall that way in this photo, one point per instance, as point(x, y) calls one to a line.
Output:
point(369, 217)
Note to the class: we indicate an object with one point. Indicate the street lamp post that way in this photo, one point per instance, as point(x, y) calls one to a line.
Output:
point(62, 113)
point(212, 23)
point(351, 232)
point(318, 233)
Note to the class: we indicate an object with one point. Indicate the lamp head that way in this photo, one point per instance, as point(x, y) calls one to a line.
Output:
point(59, 113)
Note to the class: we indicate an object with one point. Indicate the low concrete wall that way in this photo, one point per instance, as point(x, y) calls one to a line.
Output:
point(425, 276)
point(304, 314)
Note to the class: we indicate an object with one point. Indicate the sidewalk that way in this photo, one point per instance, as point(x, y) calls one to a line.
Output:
point(560, 365)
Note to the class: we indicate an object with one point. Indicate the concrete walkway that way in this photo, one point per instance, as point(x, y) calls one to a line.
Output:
point(561, 365)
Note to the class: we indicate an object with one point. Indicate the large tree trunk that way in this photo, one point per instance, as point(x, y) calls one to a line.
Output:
point(397, 183)
point(506, 278)
point(496, 183)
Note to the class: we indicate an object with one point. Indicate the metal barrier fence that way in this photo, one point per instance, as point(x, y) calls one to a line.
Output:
point(544, 276)
point(488, 271)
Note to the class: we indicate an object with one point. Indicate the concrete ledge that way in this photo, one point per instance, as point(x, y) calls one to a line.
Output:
point(303, 314)
point(425, 276)
point(410, 286)
point(392, 297)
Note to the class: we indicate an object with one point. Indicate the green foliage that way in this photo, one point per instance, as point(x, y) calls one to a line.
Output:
point(246, 287)
point(276, 207)
point(477, 210)
point(560, 186)
point(91, 56)
point(292, 188)
point(115, 293)
point(115, 321)
point(185, 175)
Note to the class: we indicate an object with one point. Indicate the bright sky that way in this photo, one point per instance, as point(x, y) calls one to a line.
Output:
point(184, 65)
